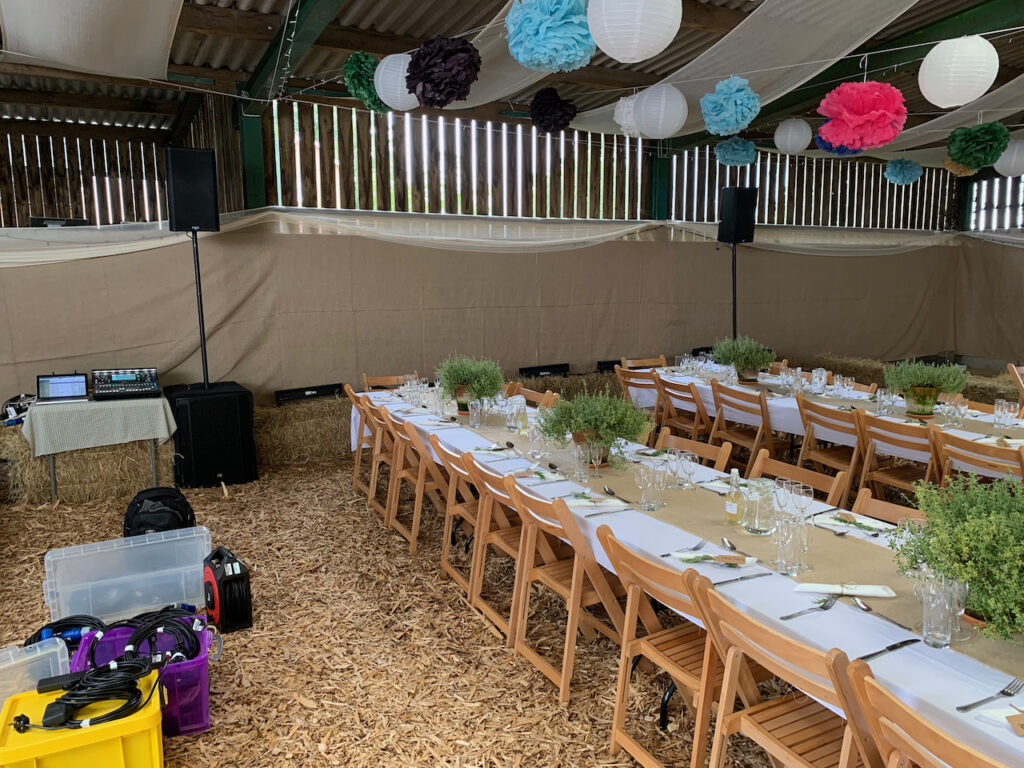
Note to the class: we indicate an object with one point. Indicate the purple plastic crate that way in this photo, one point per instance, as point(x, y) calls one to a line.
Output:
point(187, 682)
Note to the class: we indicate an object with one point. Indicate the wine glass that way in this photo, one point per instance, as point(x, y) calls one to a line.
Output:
point(961, 629)
point(688, 466)
point(659, 483)
point(782, 492)
point(673, 462)
point(644, 479)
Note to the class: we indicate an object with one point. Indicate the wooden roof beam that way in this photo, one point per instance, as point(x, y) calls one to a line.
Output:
point(711, 18)
point(88, 101)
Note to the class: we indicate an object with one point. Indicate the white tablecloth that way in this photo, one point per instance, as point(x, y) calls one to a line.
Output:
point(933, 681)
point(58, 427)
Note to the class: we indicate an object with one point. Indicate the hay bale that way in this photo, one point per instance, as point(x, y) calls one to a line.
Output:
point(91, 474)
point(302, 432)
point(570, 386)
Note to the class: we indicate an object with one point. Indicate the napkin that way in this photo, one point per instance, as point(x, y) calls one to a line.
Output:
point(721, 486)
point(997, 716)
point(595, 503)
point(690, 557)
point(832, 518)
point(1014, 442)
point(493, 450)
point(860, 590)
point(540, 475)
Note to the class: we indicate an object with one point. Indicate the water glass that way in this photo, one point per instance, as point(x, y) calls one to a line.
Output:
point(679, 360)
point(660, 483)
point(937, 605)
point(883, 402)
point(476, 411)
point(818, 376)
point(958, 410)
point(688, 468)
point(643, 476)
point(673, 463)
point(595, 457)
point(512, 412)
point(580, 460)
point(788, 537)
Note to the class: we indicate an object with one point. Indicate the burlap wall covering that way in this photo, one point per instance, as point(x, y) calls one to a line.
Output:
point(286, 310)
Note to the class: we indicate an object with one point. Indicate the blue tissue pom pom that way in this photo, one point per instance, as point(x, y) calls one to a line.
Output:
point(731, 108)
point(736, 151)
point(902, 171)
point(834, 149)
point(550, 35)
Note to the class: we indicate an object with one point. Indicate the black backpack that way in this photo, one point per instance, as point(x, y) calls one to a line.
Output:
point(158, 509)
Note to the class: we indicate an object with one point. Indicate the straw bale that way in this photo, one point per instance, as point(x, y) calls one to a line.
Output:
point(361, 655)
point(570, 386)
point(90, 474)
point(302, 431)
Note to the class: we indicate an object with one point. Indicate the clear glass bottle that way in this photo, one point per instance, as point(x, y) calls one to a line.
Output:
point(734, 499)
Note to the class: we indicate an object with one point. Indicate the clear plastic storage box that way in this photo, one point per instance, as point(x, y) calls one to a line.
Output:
point(22, 668)
point(120, 578)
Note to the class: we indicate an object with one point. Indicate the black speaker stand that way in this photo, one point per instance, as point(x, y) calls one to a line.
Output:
point(733, 294)
point(194, 234)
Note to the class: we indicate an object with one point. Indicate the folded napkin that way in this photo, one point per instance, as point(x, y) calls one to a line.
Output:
point(858, 590)
point(594, 503)
point(721, 486)
point(727, 561)
point(540, 475)
point(494, 450)
point(997, 716)
point(859, 521)
point(1012, 442)
point(649, 454)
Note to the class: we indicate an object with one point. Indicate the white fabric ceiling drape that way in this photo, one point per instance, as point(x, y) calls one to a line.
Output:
point(129, 38)
point(782, 44)
point(37, 246)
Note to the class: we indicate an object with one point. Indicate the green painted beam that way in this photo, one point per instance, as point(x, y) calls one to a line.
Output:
point(250, 129)
point(986, 17)
point(304, 24)
point(658, 182)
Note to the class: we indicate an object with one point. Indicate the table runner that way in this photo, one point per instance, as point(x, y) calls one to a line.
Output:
point(58, 427)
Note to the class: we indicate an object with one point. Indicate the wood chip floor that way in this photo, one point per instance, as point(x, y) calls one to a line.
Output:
point(361, 654)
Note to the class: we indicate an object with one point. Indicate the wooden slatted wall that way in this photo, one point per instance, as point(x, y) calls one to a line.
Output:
point(213, 128)
point(813, 191)
point(996, 203)
point(337, 157)
point(106, 181)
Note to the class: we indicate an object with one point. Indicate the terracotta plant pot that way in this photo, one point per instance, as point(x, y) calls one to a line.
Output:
point(747, 377)
point(921, 400)
point(974, 621)
point(584, 437)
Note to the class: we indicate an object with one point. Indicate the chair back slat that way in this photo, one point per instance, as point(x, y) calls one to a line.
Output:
point(452, 460)
point(426, 456)
point(833, 487)
point(823, 422)
point(883, 510)
point(486, 479)
point(742, 405)
point(716, 456)
point(674, 396)
point(962, 454)
point(537, 399)
point(635, 381)
point(884, 434)
point(1017, 374)
point(385, 382)
point(644, 362)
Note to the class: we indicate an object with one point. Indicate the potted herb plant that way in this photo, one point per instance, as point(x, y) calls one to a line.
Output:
point(466, 378)
point(973, 532)
point(600, 419)
point(920, 383)
point(745, 354)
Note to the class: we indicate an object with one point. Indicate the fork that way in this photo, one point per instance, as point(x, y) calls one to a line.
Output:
point(698, 546)
point(1015, 687)
point(822, 607)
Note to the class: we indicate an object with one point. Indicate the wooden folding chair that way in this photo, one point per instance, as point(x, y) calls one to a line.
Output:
point(963, 455)
point(900, 735)
point(869, 388)
point(681, 407)
point(883, 510)
point(462, 507)
point(1017, 374)
point(878, 437)
point(776, 368)
point(413, 464)
point(711, 455)
point(741, 418)
point(680, 650)
point(578, 579)
point(383, 453)
point(833, 487)
point(644, 362)
point(634, 384)
point(537, 399)
point(386, 382)
point(364, 442)
point(823, 426)
point(794, 729)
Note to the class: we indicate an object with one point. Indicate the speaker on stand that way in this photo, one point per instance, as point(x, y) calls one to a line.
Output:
point(214, 442)
point(736, 213)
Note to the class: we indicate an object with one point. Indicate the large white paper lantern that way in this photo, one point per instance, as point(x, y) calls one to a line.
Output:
point(793, 136)
point(633, 30)
point(1011, 162)
point(660, 111)
point(389, 80)
point(956, 72)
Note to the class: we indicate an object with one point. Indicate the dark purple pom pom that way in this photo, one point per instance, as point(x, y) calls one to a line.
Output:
point(550, 112)
point(442, 70)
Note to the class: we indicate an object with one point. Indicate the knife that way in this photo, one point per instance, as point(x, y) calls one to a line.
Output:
point(743, 578)
point(889, 648)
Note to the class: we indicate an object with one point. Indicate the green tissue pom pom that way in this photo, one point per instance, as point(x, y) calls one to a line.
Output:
point(359, 69)
point(978, 145)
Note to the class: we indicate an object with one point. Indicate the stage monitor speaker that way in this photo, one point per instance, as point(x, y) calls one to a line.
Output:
point(192, 190)
point(214, 442)
point(736, 215)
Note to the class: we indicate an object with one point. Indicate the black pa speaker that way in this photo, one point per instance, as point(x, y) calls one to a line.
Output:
point(214, 442)
point(736, 215)
point(192, 189)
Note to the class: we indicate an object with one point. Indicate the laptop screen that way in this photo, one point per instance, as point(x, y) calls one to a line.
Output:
point(66, 385)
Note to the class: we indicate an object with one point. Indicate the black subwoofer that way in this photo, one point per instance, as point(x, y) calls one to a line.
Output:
point(214, 442)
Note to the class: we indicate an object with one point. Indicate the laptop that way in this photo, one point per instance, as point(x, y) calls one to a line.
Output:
point(61, 388)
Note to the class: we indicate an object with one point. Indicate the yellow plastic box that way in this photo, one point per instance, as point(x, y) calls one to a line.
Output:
point(132, 742)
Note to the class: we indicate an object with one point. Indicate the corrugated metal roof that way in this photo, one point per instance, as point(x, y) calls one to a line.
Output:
point(922, 14)
point(85, 116)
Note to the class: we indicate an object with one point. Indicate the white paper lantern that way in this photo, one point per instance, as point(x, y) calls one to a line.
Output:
point(660, 111)
point(1011, 162)
point(793, 136)
point(956, 72)
point(633, 30)
point(389, 80)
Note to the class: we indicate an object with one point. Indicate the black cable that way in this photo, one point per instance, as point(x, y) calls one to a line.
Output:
point(165, 616)
point(186, 644)
point(69, 629)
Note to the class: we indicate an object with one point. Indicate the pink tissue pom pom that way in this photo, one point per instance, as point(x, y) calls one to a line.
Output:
point(863, 115)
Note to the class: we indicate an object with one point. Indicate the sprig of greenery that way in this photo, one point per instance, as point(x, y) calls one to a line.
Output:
point(482, 378)
point(855, 524)
point(905, 374)
point(744, 353)
point(973, 532)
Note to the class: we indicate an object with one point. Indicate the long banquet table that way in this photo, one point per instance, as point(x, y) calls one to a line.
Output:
point(933, 681)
